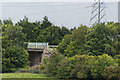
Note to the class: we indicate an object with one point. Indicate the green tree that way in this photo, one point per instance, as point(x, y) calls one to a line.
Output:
point(8, 21)
point(63, 45)
point(14, 55)
point(45, 23)
point(14, 58)
point(100, 64)
point(76, 46)
point(14, 34)
point(102, 39)
point(28, 29)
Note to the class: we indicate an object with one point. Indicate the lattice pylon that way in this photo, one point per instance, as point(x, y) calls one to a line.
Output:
point(98, 12)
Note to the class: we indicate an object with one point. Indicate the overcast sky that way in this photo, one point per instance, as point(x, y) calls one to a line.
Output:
point(56, 0)
point(74, 14)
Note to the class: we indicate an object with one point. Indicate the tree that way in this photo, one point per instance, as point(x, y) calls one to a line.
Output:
point(14, 34)
point(14, 55)
point(76, 46)
point(51, 34)
point(8, 21)
point(100, 64)
point(28, 27)
point(102, 39)
point(63, 45)
point(14, 58)
point(45, 23)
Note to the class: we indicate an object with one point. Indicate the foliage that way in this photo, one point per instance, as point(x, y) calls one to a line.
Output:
point(102, 39)
point(14, 58)
point(112, 72)
point(14, 34)
point(78, 66)
point(51, 68)
point(13, 76)
point(7, 21)
point(101, 63)
point(82, 67)
point(14, 55)
point(64, 67)
point(97, 40)
point(76, 45)
point(117, 58)
point(63, 45)
point(43, 31)
point(45, 23)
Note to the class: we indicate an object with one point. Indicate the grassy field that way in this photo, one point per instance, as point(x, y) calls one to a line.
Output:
point(23, 75)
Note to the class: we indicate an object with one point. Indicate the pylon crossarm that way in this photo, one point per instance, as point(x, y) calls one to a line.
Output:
point(102, 9)
point(94, 10)
point(102, 16)
point(93, 17)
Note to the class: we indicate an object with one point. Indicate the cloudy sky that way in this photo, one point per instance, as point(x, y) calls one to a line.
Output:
point(56, 0)
point(59, 13)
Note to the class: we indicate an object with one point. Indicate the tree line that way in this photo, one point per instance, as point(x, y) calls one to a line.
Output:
point(15, 37)
point(82, 52)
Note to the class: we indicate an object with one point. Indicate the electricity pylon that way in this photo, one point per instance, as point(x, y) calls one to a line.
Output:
point(98, 12)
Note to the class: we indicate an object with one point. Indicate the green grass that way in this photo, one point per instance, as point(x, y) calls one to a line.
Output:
point(23, 75)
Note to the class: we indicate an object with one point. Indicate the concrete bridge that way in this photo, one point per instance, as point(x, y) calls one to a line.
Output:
point(37, 51)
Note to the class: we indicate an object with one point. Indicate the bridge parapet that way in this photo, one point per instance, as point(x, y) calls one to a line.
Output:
point(37, 45)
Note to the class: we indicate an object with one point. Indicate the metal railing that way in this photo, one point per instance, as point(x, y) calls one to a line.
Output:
point(37, 45)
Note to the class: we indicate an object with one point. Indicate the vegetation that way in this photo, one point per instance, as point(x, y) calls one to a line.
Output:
point(15, 36)
point(81, 53)
point(23, 75)
point(81, 66)
point(97, 40)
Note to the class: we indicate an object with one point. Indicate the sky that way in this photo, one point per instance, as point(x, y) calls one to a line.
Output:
point(55, 0)
point(67, 14)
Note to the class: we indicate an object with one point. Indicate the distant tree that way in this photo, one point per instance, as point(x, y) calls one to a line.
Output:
point(28, 27)
point(51, 34)
point(63, 45)
point(14, 34)
point(14, 56)
point(64, 31)
point(102, 39)
point(45, 23)
point(76, 46)
point(7, 21)
point(1, 22)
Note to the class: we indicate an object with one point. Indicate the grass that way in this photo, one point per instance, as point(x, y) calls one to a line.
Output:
point(23, 75)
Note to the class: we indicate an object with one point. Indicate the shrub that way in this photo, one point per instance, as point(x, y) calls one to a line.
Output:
point(117, 58)
point(65, 67)
point(100, 64)
point(112, 72)
point(14, 58)
point(82, 66)
point(77, 66)
point(50, 68)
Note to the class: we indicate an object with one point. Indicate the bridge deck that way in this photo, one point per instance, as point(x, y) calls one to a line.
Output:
point(35, 49)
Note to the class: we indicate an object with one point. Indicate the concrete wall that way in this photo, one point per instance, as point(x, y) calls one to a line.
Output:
point(35, 57)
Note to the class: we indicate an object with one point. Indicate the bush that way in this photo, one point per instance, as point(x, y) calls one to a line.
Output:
point(112, 72)
point(100, 64)
point(82, 66)
point(49, 67)
point(117, 58)
point(14, 58)
point(78, 66)
point(65, 67)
